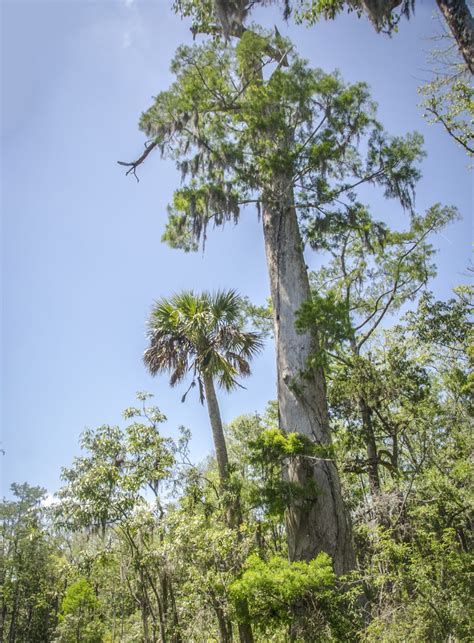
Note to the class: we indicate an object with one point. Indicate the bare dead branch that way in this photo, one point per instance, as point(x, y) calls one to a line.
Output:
point(132, 165)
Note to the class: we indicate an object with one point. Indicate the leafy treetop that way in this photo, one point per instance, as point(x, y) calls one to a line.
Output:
point(248, 125)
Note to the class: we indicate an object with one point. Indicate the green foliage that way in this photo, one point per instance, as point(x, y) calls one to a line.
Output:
point(448, 99)
point(109, 488)
point(276, 590)
point(178, 235)
point(274, 445)
point(240, 120)
point(311, 11)
point(450, 102)
point(429, 585)
point(373, 270)
point(249, 52)
point(205, 556)
point(274, 586)
point(107, 484)
point(79, 618)
point(417, 545)
point(445, 324)
point(79, 597)
point(259, 317)
point(214, 18)
point(327, 315)
point(267, 454)
point(203, 335)
point(383, 14)
point(202, 13)
point(31, 567)
point(413, 535)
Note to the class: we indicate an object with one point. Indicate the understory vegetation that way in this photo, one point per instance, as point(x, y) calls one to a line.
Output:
point(139, 545)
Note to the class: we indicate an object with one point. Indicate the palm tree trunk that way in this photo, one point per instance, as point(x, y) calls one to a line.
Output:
point(216, 426)
point(233, 517)
point(320, 523)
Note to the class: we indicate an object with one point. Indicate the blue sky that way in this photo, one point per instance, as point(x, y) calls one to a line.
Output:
point(82, 260)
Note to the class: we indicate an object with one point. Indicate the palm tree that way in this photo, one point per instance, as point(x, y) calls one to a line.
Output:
point(202, 335)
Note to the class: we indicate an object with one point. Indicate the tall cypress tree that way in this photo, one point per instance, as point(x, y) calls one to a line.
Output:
point(250, 122)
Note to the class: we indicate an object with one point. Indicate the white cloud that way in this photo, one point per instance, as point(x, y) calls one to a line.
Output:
point(126, 40)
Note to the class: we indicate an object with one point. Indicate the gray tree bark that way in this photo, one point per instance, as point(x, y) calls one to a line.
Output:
point(461, 24)
point(320, 524)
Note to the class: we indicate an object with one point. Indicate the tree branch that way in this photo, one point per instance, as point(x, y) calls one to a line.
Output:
point(449, 129)
point(149, 147)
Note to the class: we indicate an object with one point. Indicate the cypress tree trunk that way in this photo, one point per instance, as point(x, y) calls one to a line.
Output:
point(320, 523)
point(461, 24)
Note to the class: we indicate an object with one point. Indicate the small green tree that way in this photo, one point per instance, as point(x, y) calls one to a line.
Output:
point(80, 616)
point(414, 539)
point(108, 489)
point(372, 273)
point(276, 590)
point(31, 567)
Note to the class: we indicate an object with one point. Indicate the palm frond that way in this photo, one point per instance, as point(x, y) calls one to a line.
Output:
point(201, 332)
